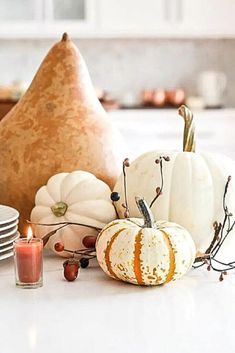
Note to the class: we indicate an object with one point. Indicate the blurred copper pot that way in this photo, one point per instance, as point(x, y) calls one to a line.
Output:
point(159, 98)
point(146, 97)
point(175, 97)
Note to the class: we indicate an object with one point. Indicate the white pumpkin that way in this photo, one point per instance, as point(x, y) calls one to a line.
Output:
point(193, 188)
point(72, 197)
point(145, 253)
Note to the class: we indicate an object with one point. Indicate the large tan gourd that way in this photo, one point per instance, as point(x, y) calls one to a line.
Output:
point(58, 126)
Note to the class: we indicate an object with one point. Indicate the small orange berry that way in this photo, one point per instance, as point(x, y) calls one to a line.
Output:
point(59, 247)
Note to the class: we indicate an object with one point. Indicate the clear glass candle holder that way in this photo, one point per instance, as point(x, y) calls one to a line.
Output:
point(28, 262)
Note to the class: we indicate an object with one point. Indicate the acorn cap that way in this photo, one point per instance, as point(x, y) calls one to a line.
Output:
point(71, 261)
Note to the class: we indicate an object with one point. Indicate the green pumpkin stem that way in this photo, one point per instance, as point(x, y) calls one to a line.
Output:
point(145, 212)
point(189, 129)
point(59, 208)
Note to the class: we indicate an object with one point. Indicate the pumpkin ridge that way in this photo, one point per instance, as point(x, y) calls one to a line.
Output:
point(89, 200)
point(105, 228)
point(86, 209)
point(113, 223)
point(218, 171)
point(80, 183)
point(75, 174)
point(137, 261)
point(53, 180)
point(107, 254)
point(171, 272)
point(87, 221)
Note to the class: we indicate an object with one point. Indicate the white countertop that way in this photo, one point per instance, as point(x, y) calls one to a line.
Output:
point(174, 111)
point(162, 129)
point(96, 314)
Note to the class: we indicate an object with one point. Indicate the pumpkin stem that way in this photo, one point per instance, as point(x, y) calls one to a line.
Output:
point(145, 212)
point(189, 129)
point(59, 208)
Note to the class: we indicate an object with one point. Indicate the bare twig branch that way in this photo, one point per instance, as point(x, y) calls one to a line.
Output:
point(221, 232)
point(64, 223)
point(159, 189)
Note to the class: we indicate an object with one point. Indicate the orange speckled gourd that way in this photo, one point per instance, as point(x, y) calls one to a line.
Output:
point(57, 126)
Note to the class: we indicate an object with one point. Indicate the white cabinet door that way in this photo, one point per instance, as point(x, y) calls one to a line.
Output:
point(19, 17)
point(68, 10)
point(46, 18)
point(73, 16)
point(77, 11)
point(135, 16)
point(15, 11)
point(206, 17)
point(170, 18)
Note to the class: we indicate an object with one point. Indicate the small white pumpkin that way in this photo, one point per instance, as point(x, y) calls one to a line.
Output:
point(72, 197)
point(193, 188)
point(145, 254)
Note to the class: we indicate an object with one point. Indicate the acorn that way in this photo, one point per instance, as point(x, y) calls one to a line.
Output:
point(71, 269)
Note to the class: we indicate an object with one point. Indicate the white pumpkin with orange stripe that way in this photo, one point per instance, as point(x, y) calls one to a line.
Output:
point(145, 252)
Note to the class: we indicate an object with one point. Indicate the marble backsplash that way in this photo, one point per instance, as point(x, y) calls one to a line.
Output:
point(129, 65)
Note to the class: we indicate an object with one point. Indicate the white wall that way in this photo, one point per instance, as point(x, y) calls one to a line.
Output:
point(122, 65)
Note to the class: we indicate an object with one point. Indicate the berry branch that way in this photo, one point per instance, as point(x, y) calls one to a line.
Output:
point(125, 164)
point(115, 195)
point(61, 225)
point(160, 188)
point(221, 232)
point(65, 224)
point(71, 266)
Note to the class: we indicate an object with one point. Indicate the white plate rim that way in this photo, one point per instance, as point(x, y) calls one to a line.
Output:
point(13, 218)
point(5, 256)
point(11, 240)
point(8, 248)
point(10, 233)
point(13, 224)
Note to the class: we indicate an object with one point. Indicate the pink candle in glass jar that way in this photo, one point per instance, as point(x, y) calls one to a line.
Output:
point(28, 261)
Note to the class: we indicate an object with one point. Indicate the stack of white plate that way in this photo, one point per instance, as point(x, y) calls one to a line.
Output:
point(9, 218)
